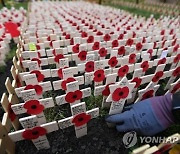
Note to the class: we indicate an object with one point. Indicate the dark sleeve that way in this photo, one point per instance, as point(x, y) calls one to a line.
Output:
point(176, 107)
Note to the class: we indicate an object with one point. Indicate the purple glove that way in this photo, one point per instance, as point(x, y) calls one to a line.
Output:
point(146, 117)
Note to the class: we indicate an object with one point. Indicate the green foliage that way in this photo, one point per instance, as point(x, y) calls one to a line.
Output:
point(17, 5)
point(2, 68)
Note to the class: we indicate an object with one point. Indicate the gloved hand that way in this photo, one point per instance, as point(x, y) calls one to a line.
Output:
point(146, 117)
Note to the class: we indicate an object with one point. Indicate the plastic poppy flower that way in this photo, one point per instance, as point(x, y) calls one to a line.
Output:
point(113, 62)
point(36, 59)
point(139, 46)
point(34, 133)
point(150, 51)
point(68, 80)
point(120, 93)
point(50, 43)
point(162, 32)
point(106, 91)
point(38, 47)
point(71, 41)
point(71, 97)
point(96, 46)
point(154, 46)
point(121, 50)
point(18, 81)
point(148, 94)
point(121, 36)
point(37, 88)
point(107, 37)
point(75, 48)
point(89, 66)
point(90, 39)
point(81, 119)
point(132, 58)
point(144, 40)
point(157, 76)
point(90, 26)
point(115, 43)
point(99, 33)
point(174, 42)
point(68, 36)
point(57, 57)
point(176, 72)
point(134, 34)
point(39, 75)
point(102, 52)
point(175, 88)
point(138, 81)
point(145, 66)
point(82, 55)
point(175, 49)
point(99, 75)
point(123, 71)
point(11, 113)
point(84, 34)
point(129, 42)
point(162, 61)
point(33, 107)
point(176, 59)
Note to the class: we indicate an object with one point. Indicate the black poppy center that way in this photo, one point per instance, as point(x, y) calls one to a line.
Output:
point(90, 66)
point(148, 96)
point(74, 96)
point(124, 70)
point(80, 119)
point(121, 93)
point(35, 132)
point(99, 75)
point(33, 107)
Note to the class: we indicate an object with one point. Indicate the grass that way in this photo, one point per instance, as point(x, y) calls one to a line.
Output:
point(17, 5)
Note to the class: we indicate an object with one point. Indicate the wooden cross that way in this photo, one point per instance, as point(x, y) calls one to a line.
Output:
point(34, 131)
point(79, 119)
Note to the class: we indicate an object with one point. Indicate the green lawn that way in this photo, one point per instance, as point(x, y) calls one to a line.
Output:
point(17, 5)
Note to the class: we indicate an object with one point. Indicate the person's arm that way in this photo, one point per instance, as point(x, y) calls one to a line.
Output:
point(149, 116)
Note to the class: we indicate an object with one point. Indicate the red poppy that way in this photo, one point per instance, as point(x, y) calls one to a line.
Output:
point(123, 70)
point(57, 57)
point(90, 39)
point(63, 84)
point(154, 46)
point(138, 81)
point(132, 58)
point(68, 36)
point(33, 107)
point(157, 76)
point(129, 42)
point(145, 66)
point(144, 40)
point(89, 66)
point(60, 73)
point(38, 60)
point(148, 94)
point(121, 50)
point(177, 58)
point(120, 93)
point(99, 75)
point(99, 33)
point(162, 61)
point(11, 113)
point(106, 91)
point(102, 52)
point(107, 37)
point(71, 97)
point(39, 75)
point(81, 119)
point(174, 42)
point(37, 88)
point(38, 47)
point(71, 41)
point(115, 43)
point(34, 133)
point(150, 51)
point(113, 61)
point(75, 48)
point(84, 34)
point(139, 46)
point(50, 43)
point(134, 34)
point(175, 88)
point(18, 81)
point(163, 32)
point(82, 55)
point(121, 36)
point(175, 49)
point(176, 72)
point(96, 46)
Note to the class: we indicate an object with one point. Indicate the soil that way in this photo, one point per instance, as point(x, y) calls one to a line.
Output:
point(99, 140)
